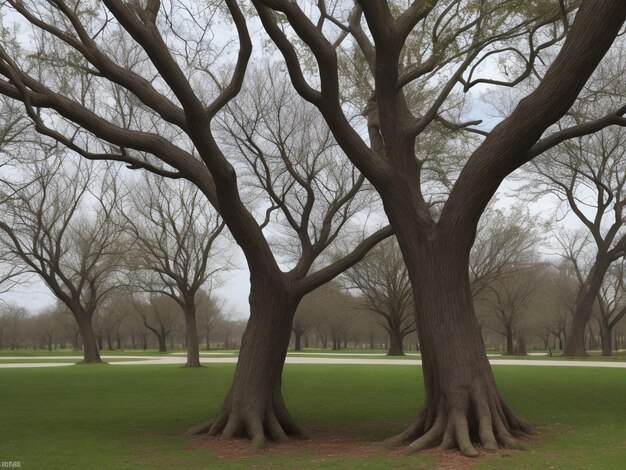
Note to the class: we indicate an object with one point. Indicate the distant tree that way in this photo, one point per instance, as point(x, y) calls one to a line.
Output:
point(587, 175)
point(504, 239)
point(209, 312)
point(303, 321)
point(330, 312)
point(13, 321)
point(67, 324)
point(58, 222)
point(158, 314)
point(110, 316)
point(174, 230)
point(45, 328)
point(382, 281)
point(508, 300)
point(611, 304)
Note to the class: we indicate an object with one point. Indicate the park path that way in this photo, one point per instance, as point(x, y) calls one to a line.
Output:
point(178, 359)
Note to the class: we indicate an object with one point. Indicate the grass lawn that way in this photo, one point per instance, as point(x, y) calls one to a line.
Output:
point(123, 417)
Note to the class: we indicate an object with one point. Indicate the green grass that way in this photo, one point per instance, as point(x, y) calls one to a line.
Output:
point(133, 417)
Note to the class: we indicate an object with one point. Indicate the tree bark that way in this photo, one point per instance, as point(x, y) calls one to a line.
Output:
point(396, 348)
point(193, 343)
point(254, 406)
point(462, 401)
point(91, 352)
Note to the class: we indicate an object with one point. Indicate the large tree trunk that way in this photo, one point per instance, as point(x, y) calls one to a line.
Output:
point(193, 343)
point(462, 401)
point(587, 294)
point(91, 352)
point(396, 348)
point(254, 406)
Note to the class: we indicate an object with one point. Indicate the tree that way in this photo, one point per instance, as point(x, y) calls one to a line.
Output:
point(110, 316)
point(303, 320)
point(503, 241)
point(174, 232)
point(382, 279)
point(59, 225)
point(587, 174)
point(67, 324)
point(45, 328)
point(209, 313)
point(12, 323)
point(164, 125)
point(429, 51)
point(508, 301)
point(158, 316)
point(331, 311)
point(611, 305)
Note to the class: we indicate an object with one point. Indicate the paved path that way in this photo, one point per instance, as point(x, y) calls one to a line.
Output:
point(176, 359)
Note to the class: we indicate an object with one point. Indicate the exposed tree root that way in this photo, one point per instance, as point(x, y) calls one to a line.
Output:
point(472, 416)
point(273, 423)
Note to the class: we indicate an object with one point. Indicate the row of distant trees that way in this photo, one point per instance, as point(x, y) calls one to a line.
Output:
point(154, 323)
point(523, 299)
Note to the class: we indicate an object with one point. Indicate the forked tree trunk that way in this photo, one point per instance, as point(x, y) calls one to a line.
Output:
point(587, 294)
point(254, 406)
point(91, 352)
point(396, 348)
point(462, 401)
point(193, 343)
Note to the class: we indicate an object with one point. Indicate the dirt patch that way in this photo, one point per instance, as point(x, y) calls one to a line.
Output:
point(336, 441)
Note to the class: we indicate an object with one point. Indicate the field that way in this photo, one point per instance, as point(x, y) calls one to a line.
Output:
point(126, 417)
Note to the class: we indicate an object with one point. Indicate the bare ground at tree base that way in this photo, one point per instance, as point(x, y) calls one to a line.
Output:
point(333, 441)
